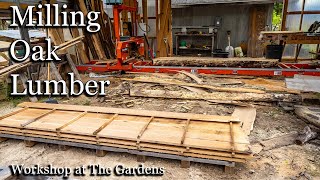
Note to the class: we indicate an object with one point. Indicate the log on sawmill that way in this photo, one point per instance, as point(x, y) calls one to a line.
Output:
point(216, 62)
point(306, 136)
point(223, 96)
point(204, 86)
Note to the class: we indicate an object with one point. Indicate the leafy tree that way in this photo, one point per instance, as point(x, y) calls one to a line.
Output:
point(277, 16)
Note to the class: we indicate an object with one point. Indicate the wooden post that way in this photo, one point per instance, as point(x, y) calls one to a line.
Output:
point(24, 80)
point(228, 169)
point(258, 20)
point(284, 15)
point(63, 147)
point(3, 139)
point(298, 47)
point(101, 153)
point(28, 143)
point(141, 159)
point(164, 38)
point(145, 20)
point(185, 164)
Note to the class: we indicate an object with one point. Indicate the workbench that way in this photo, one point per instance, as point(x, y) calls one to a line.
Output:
point(292, 37)
point(198, 41)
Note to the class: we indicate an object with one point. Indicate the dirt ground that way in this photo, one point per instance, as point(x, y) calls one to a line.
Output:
point(290, 162)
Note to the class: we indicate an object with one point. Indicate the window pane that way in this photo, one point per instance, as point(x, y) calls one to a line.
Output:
point(289, 51)
point(309, 19)
point(295, 5)
point(306, 49)
point(312, 5)
point(292, 23)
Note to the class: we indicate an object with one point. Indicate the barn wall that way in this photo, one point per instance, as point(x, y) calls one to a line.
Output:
point(235, 17)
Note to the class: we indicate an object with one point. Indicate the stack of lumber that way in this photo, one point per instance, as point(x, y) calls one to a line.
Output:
point(14, 68)
point(216, 62)
point(190, 135)
point(101, 43)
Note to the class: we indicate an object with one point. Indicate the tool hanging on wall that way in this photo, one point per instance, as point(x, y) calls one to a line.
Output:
point(229, 48)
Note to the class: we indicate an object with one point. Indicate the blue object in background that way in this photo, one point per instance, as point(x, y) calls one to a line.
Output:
point(112, 2)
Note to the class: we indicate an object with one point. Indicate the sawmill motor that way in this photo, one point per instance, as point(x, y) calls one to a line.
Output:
point(128, 48)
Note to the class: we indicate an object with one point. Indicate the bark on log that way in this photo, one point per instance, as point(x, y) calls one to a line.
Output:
point(216, 62)
point(306, 136)
point(205, 86)
point(312, 115)
point(222, 96)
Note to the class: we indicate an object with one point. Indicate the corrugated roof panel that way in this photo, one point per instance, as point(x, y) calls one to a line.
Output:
point(197, 2)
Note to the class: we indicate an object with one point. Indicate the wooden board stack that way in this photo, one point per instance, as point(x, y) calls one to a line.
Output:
point(190, 135)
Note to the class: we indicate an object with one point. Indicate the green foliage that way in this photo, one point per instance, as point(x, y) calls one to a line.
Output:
point(15, 100)
point(277, 15)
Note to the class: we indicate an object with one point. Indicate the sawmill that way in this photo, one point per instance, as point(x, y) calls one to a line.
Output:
point(172, 89)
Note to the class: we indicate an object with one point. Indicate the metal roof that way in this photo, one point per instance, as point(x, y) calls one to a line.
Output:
point(15, 34)
point(199, 2)
point(34, 2)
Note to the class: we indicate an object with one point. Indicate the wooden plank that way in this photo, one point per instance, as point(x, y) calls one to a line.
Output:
point(13, 113)
point(105, 124)
point(185, 131)
point(53, 120)
point(232, 139)
point(192, 76)
point(83, 56)
point(37, 118)
point(125, 127)
point(145, 113)
point(56, 73)
point(280, 141)
point(14, 68)
point(86, 125)
point(95, 40)
point(73, 67)
point(247, 116)
point(144, 128)
point(175, 135)
point(24, 80)
point(71, 121)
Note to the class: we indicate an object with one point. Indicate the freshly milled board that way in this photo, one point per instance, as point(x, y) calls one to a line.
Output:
point(190, 135)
